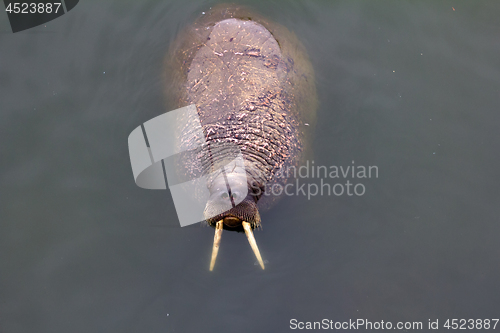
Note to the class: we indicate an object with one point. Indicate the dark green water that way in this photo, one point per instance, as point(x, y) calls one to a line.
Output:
point(410, 87)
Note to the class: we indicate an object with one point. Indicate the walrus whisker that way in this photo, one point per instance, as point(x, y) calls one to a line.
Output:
point(215, 249)
point(253, 244)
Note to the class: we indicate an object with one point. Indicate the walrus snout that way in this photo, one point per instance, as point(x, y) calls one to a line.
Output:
point(232, 218)
point(243, 217)
point(232, 201)
point(225, 210)
point(231, 221)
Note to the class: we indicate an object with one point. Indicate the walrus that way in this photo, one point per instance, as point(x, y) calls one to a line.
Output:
point(253, 87)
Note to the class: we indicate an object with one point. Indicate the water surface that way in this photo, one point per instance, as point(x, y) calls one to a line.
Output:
point(410, 87)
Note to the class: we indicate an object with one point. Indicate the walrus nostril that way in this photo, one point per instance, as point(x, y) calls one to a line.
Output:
point(232, 222)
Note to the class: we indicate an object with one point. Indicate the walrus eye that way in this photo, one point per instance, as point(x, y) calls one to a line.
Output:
point(224, 195)
point(234, 196)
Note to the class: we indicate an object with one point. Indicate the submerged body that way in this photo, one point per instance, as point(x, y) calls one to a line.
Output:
point(253, 87)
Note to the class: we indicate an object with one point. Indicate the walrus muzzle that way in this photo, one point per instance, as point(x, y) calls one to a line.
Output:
point(243, 216)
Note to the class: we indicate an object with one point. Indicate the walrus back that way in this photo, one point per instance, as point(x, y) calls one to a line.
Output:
point(253, 86)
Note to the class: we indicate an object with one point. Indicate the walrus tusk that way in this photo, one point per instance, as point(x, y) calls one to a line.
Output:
point(253, 244)
point(215, 249)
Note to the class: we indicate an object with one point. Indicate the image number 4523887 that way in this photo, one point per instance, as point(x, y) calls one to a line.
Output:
point(31, 13)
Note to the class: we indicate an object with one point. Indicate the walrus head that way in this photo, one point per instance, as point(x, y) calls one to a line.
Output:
point(232, 206)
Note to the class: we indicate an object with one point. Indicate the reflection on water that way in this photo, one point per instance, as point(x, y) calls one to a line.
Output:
point(411, 88)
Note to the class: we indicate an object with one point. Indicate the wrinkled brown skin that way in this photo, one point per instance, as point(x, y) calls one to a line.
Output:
point(253, 85)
